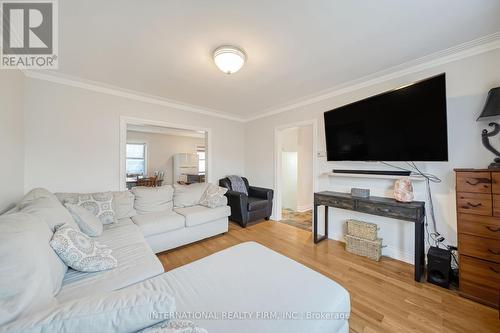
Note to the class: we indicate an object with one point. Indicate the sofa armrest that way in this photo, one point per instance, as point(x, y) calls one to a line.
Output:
point(260, 192)
point(125, 310)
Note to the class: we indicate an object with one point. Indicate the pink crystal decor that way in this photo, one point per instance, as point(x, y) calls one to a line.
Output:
point(403, 190)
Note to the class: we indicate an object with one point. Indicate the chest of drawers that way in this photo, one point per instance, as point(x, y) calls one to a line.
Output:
point(478, 223)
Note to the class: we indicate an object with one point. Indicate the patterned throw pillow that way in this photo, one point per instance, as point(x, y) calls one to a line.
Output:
point(213, 196)
point(100, 204)
point(81, 252)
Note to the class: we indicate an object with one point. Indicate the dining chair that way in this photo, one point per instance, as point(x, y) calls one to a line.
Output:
point(148, 182)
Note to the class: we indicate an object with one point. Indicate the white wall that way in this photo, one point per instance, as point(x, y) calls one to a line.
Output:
point(305, 168)
point(289, 179)
point(161, 148)
point(289, 167)
point(73, 134)
point(297, 191)
point(468, 81)
point(11, 137)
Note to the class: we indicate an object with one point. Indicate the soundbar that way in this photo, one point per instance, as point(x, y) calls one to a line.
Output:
point(374, 172)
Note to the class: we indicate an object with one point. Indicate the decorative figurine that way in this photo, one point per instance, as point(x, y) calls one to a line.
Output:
point(403, 190)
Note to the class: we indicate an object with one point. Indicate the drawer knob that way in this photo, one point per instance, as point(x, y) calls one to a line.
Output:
point(494, 270)
point(384, 210)
point(474, 205)
point(473, 183)
point(494, 252)
point(493, 229)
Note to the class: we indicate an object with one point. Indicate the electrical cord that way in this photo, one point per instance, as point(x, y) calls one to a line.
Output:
point(429, 176)
point(453, 256)
point(434, 236)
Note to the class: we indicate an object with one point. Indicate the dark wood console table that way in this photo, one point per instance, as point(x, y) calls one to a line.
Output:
point(412, 211)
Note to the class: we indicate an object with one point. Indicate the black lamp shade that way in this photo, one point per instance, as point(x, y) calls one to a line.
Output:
point(492, 106)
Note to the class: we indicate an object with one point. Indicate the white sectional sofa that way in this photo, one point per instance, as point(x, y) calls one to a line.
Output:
point(168, 216)
point(148, 221)
point(39, 293)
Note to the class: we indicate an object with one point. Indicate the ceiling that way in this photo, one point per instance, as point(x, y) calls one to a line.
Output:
point(295, 48)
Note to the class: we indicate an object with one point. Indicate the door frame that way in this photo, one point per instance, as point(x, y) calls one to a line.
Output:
point(125, 120)
point(278, 130)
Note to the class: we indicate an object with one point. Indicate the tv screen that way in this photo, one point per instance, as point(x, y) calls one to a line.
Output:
point(405, 124)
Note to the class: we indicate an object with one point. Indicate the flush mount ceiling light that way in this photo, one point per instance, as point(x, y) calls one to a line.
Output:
point(229, 59)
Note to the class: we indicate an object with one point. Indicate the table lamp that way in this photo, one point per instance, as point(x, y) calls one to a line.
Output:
point(491, 109)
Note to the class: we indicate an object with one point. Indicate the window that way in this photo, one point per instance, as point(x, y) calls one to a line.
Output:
point(200, 151)
point(136, 158)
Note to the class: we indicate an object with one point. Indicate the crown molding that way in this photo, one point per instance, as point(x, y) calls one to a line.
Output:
point(126, 93)
point(461, 51)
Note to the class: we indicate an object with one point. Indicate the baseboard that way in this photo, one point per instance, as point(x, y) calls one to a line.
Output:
point(304, 208)
point(398, 254)
point(388, 251)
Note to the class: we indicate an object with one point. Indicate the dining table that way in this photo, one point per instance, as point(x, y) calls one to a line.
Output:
point(132, 182)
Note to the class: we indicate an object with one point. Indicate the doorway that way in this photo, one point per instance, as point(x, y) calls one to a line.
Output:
point(155, 153)
point(295, 173)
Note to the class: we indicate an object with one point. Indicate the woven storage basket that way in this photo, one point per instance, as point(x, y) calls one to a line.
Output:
point(371, 249)
point(362, 229)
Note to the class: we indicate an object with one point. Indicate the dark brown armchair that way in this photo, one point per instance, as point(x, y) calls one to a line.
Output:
point(258, 204)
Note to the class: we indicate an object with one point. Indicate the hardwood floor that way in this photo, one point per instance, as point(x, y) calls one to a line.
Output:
point(302, 220)
point(384, 297)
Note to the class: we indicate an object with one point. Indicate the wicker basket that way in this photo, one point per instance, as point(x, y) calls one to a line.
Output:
point(371, 249)
point(362, 229)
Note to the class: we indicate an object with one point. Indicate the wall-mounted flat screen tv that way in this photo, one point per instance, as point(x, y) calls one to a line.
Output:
point(405, 124)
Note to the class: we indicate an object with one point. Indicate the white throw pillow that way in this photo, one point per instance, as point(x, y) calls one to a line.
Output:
point(86, 220)
point(81, 252)
point(100, 204)
point(30, 271)
point(213, 196)
point(153, 199)
point(46, 209)
point(188, 195)
point(45, 205)
point(125, 310)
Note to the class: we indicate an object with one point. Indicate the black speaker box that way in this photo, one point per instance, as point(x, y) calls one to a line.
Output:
point(439, 267)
